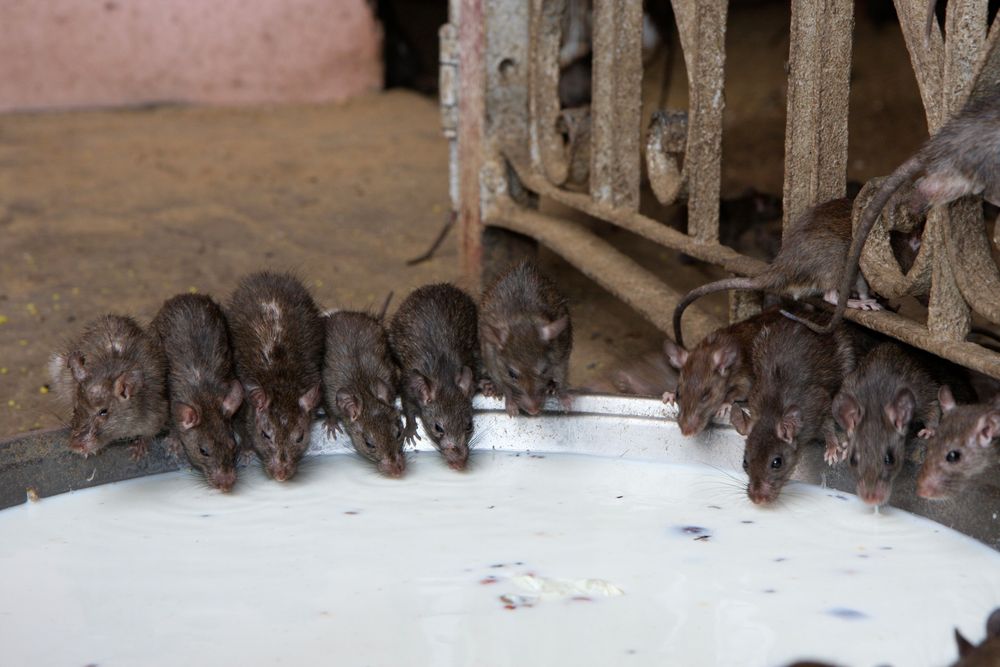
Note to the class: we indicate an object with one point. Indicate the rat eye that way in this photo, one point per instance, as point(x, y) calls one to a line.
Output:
point(468, 427)
point(368, 444)
point(513, 374)
point(854, 459)
point(103, 412)
point(438, 429)
point(954, 456)
point(705, 397)
point(889, 458)
point(203, 451)
point(776, 462)
point(267, 436)
point(746, 466)
point(299, 439)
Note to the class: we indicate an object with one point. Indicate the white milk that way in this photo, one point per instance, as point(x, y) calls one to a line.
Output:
point(558, 560)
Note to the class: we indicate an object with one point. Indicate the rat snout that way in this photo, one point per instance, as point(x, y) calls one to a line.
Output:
point(83, 444)
point(761, 493)
point(532, 405)
point(223, 480)
point(690, 424)
point(929, 487)
point(873, 494)
point(454, 455)
point(393, 466)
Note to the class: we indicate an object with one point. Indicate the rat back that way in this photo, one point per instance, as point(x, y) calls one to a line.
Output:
point(114, 377)
point(813, 252)
point(525, 338)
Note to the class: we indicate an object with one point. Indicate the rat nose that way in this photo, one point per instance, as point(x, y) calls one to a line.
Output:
point(224, 480)
point(393, 466)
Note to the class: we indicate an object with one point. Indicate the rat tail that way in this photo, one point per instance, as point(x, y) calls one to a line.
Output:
point(698, 292)
point(904, 173)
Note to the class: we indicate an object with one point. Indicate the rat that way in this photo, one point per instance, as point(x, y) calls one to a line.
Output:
point(113, 375)
point(647, 374)
point(963, 158)
point(435, 342)
point(987, 654)
point(202, 386)
point(277, 337)
point(362, 381)
point(717, 373)
point(797, 372)
point(891, 390)
point(808, 263)
point(964, 447)
point(526, 338)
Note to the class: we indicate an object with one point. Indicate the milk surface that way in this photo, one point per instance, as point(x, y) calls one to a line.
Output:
point(526, 559)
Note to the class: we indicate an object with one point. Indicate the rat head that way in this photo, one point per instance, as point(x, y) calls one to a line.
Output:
point(204, 428)
point(771, 453)
point(523, 356)
point(876, 441)
point(962, 447)
point(705, 378)
point(280, 428)
point(107, 404)
point(375, 426)
point(966, 648)
point(446, 410)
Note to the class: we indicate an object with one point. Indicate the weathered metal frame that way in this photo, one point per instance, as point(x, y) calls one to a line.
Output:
point(502, 108)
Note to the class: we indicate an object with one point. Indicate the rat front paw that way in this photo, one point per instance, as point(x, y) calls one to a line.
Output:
point(174, 448)
point(835, 452)
point(510, 405)
point(139, 449)
point(864, 304)
point(488, 389)
point(670, 397)
point(724, 411)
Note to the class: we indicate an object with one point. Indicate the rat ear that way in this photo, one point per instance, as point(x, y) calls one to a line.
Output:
point(900, 411)
point(187, 416)
point(676, 355)
point(549, 331)
point(790, 424)
point(422, 387)
point(740, 419)
point(76, 366)
point(724, 358)
point(987, 428)
point(231, 403)
point(993, 625)
point(465, 381)
point(383, 391)
point(945, 399)
point(847, 411)
point(965, 647)
point(349, 404)
point(494, 334)
point(309, 400)
point(127, 384)
point(258, 398)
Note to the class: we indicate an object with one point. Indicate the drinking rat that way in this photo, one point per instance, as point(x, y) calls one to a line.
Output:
point(434, 338)
point(964, 447)
point(113, 376)
point(797, 372)
point(526, 337)
point(716, 373)
point(963, 158)
point(202, 386)
point(987, 654)
point(361, 381)
point(277, 337)
point(809, 263)
point(890, 390)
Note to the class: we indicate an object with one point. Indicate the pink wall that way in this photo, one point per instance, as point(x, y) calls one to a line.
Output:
point(83, 53)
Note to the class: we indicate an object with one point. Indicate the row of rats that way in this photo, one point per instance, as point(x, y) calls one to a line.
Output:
point(962, 158)
point(810, 263)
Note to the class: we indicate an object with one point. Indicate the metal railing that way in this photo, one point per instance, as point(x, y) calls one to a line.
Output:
point(511, 144)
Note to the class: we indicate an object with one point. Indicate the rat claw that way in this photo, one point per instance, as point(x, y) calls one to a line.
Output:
point(139, 449)
point(566, 401)
point(487, 388)
point(864, 304)
point(724, 411)
point(670, 397)
point(510, 405)
point(246, 457)
point(835, 452)
point(332, 428)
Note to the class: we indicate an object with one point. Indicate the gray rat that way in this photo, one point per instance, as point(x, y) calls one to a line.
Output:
point(202, 385)
point(361, 381)
point(963, 158)
point(435, 342)
point(964, 447)
point(797, 372)
point(526, 338)
point(716, 373)
point(987, 654)
point(891, 390)
point(277, 337)
point(113, 375)
point(809, 263)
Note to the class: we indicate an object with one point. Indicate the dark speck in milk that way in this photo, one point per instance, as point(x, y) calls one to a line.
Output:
point(780, 559)
point(769, 590)
point(837, 496)
point(205, 516)
point(846, 613)
point(693, 530)
point(351, 512)
point(713, 507)
point(746, 521)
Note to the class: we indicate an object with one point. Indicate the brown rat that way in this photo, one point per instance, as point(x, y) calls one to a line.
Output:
point(892, 391)
point(809, 263)
point(987, 654)
point(435, 341)
point(645, 374)
point(963, 158)
point(716, 373)
point(797, 372)
point(964, 447)
point(277, 337)
point(526, 338)
point(202, 386)
point(113, 375)
point(361, 381)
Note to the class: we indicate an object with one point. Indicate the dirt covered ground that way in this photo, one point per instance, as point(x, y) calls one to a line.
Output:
point(118, 210)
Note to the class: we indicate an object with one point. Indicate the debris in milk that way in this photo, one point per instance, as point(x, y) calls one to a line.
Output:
point(547, 588)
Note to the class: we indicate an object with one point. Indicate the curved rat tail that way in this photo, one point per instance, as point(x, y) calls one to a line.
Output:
point(904, 173)
point(698, 292)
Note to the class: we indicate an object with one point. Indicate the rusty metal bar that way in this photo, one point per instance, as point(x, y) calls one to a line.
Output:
point(548, 150)
point(616, 104)
point(472, 111)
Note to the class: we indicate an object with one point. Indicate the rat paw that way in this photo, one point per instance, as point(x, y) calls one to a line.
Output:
point(511, 407)
point(724, 411)
point(174, 448)
point(566, 401)
point(670, 397)
point(864, 304)
point(332, 428)
point(488, 389)
point(835, 452)
point(925, 433)
point(139, 449)
point(246, 457)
